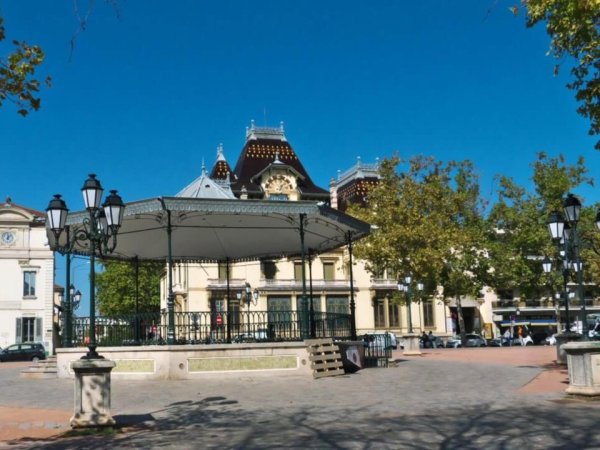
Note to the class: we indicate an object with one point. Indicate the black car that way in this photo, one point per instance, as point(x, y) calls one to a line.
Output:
point(23, 352)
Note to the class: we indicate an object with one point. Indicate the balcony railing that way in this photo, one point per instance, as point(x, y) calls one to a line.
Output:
point(384, 283)
point(221, 283)
point(212, 327)
point(296, 285)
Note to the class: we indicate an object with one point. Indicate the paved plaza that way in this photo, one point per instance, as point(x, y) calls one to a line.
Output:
point(490, 398)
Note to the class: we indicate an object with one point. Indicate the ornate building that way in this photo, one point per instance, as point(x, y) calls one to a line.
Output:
point(27, 275)
point(269, 168)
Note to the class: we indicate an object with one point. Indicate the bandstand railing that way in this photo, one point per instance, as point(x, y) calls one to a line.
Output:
point(210, 328)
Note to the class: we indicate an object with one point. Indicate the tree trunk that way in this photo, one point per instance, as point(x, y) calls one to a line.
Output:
point(461, 322)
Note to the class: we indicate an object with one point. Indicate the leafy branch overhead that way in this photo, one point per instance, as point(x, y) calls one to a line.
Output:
point(574, 30)
point(18, 83)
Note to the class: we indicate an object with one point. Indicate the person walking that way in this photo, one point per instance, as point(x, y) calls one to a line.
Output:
point(520, 335)
point(507, 337)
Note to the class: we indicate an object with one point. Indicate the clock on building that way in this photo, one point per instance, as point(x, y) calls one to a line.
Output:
point(7, 237)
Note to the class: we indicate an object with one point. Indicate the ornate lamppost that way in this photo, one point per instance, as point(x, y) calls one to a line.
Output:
point(411, 340)
point(572, 209)
point(249, 295)
point(98, 234)
point(560, 233)
point(71, 303)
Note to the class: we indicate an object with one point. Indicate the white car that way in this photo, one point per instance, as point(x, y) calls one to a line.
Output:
point(472, 340)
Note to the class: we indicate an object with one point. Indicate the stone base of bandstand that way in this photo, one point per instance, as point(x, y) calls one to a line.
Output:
point(92, 393)
point(583, 360)
point(411, 344)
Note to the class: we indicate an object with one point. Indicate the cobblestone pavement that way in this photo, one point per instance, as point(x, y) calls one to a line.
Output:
point(491, 398)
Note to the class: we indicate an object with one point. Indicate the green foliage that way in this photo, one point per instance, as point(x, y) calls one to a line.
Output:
point(518, 234)
point(426, 217)
point(574, 30)
point(17, 75)
point(116, 287)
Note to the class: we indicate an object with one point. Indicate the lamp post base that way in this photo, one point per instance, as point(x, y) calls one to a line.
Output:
point(411, 344)
point(92, 393)
point(561, 339)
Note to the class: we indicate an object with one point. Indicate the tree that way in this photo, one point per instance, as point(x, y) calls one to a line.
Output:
point(116, 287)
point(574, 30)
point(429, 222)
point(18, 83)
point(518, 235)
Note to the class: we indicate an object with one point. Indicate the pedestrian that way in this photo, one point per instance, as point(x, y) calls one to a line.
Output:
point(507, 337)
point(424, 340)
point(520, 335)
point(432, 340)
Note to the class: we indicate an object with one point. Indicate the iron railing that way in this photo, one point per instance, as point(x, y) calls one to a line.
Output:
point(212, 327)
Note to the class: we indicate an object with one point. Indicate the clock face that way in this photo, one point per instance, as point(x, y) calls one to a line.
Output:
point(7, 237)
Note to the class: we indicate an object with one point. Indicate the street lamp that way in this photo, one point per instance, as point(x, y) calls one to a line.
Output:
point(249, 295)
point(572, 210)
point(560, 231)
point(406, 288)
point(99, 231)
point(76, 299)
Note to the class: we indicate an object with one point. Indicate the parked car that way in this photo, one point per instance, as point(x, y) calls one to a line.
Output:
point(28, 351)
point(472, 340)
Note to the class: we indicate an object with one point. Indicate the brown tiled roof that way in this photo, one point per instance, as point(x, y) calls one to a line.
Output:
point(258, 154)
point(220, 170)
point(356, 191)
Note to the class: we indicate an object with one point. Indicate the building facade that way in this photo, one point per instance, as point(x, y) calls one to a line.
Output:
point(26, 277)
point(269, 168)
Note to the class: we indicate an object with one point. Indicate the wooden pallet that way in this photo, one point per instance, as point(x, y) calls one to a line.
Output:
point(325, 358)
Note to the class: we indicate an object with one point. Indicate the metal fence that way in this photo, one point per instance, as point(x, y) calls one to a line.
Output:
point(212, 328)
point(378, 349)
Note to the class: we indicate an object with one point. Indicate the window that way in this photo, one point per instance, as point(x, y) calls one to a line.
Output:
point(337, 304)
point(29, 329)
point(428, 315)
point(298, 271)
point(269, 269)
point(316, 303)
point(394, 315)
point(281, 319)
point(281, 197)
point(379, 311)
point(29, 284)
point(328, 271)
point(223, 271)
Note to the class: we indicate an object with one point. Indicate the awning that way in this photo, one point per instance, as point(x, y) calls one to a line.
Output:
point(543, 323)
point(516, 323)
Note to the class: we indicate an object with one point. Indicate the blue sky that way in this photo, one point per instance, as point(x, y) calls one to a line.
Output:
point(147, 94)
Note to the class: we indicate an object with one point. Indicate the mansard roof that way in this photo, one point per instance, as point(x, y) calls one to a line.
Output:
point(264, 146)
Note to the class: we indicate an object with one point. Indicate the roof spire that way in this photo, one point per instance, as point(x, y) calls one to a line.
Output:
point(220, 154)
point(203, 167)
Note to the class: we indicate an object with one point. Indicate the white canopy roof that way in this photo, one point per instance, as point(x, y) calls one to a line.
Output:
point(220, 230)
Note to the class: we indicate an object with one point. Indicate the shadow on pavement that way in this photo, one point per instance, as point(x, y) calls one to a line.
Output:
point(221, 422)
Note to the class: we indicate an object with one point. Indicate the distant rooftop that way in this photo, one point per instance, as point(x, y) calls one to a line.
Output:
point(253, 132)
point(359, 170)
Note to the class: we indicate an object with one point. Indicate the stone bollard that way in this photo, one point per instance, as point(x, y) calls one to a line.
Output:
point(583, 360)
point(92, 393)
point(411, 344)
